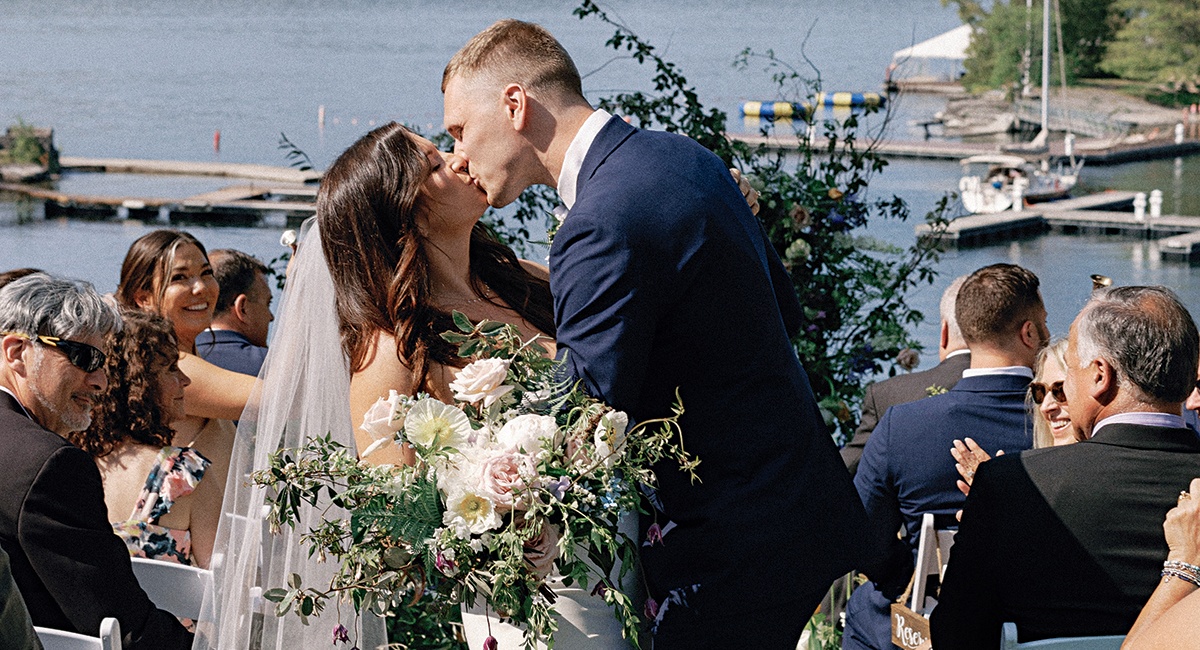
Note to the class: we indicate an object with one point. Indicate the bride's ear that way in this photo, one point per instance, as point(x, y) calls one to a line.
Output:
point(516, 106)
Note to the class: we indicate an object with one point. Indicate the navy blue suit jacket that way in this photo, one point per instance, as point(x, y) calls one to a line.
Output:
point(231, 351)
point(906, 471)
point(662, 280)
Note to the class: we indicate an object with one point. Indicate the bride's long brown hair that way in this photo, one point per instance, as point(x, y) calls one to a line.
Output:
point(366, 213)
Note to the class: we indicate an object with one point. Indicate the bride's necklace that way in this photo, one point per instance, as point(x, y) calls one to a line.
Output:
point(462, 302)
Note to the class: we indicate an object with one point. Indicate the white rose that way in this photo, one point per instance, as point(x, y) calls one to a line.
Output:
point(383, 421)
point(481, 380)
point(610, 436)
point(525, 433)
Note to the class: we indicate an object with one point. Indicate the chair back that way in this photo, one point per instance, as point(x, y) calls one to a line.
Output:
point(933, 552)
point(109, 639)
point(176, 588)
point(1008, 641)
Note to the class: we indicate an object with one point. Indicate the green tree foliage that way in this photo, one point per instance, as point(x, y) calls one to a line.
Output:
point(1001, 37)
point(1159, 40)
point(24, 146)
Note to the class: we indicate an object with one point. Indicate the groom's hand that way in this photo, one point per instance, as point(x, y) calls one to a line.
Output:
point(750, 193)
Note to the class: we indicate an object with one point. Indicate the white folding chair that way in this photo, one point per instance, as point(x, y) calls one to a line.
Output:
point(109, 639)
point(933, 552)
point(1008, 641)
point(176, 588)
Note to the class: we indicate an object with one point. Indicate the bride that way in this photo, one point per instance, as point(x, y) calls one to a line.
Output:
point(397, 247)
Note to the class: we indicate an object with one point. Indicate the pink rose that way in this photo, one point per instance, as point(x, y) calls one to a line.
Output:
point(503, 474)
point(542, 551)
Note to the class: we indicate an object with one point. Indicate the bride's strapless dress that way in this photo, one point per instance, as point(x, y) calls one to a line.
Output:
point(584, 620)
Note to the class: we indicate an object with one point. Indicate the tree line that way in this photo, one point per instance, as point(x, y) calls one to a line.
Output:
point(1156, 41)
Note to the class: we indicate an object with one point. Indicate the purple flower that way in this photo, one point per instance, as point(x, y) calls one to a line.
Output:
point(559, 488)
point(490, 643)
point(812, 328)
point(836, 218)
point(340, 634)
point(821, 314)
point(651, 609)
point(444, 565)
point(600, 589)
point(654, 535)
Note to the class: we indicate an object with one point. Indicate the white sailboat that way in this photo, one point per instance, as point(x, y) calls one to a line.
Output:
point(994, 183)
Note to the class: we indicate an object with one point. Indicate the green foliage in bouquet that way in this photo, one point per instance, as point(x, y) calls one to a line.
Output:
point(814, 206)
point(524, 475)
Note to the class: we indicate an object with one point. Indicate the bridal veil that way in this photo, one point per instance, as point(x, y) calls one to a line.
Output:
point(302, 392)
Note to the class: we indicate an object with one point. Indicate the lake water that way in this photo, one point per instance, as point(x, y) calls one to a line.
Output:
point(119, 78)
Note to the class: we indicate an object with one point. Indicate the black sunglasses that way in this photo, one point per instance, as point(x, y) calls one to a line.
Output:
point(1038, 392)
point(81, 355)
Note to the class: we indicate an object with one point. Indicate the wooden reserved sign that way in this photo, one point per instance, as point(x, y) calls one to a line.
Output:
point(910, 630)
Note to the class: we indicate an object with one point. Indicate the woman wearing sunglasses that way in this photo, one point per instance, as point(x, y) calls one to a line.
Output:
point(1046, 402)
point(156, 499)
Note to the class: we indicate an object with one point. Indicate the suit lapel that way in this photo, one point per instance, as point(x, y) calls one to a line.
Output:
point(614, 132)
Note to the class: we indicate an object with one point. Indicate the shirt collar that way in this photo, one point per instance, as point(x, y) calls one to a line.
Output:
point(568, 177)
point(1016, 371)
point(1168, 420)
point(958, 352)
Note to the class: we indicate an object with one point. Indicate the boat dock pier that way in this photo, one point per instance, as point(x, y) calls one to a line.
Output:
point(274, 193)
point(1102, 213)
point(1097, 151)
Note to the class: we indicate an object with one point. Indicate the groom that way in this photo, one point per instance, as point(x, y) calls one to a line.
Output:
point(663, 280)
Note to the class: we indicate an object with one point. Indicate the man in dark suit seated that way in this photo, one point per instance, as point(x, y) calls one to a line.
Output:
point(954, 357)
point(71, 569)
point(907, 469)
point(1068, 541)
point(237, 340)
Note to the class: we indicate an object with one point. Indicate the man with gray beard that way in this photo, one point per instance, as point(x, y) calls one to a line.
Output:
point(70, 568)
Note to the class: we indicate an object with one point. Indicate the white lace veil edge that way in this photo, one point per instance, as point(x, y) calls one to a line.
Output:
point(303, 391)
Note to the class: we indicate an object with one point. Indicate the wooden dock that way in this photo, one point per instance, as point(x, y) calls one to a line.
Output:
point(189, 168)
point(288, 196)
point(1097, 151)
point(1103, 213)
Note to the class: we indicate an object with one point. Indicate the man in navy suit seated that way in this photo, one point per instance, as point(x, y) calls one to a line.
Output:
point(237, 340)
point(906, 467)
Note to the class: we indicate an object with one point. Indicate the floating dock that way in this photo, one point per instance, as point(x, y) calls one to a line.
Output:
point(1103, 213)
point(288, 195)
point(1097, 151)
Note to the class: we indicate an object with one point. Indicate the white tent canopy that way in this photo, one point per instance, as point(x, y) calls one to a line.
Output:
point(950, 45)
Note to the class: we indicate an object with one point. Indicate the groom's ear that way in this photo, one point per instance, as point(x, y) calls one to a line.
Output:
point(516, 106)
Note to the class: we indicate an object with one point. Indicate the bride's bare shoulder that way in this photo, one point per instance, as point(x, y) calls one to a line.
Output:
point(539, 271)
point(382, 372)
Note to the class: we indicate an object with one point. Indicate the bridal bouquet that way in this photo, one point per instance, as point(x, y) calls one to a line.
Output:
point(523, 476)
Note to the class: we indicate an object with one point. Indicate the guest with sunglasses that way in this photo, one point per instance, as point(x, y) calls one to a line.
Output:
point(156, 499)
point(1046, 401)
point(71, 570)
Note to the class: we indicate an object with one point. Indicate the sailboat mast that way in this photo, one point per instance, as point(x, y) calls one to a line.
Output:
point(1046, 66)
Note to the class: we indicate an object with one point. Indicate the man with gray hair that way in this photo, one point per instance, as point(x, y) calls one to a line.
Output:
point(953, 358)
point(70, 568)
point(1067, 541)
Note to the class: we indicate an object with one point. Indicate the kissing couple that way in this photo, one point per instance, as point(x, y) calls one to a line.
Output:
point(660, 280)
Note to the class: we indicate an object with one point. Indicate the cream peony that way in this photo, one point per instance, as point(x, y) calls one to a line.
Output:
point(481, 380)
point(610, 436)
point(383, 421)
point(526, 432)
point(470, 512)
point(432, 424)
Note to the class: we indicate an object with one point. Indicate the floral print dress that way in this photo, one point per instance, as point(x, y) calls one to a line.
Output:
point(176, 473)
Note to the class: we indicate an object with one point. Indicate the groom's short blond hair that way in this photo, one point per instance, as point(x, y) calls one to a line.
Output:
point(513, 51)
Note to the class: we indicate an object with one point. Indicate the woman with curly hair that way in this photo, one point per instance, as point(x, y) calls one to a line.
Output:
point(156, 499)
